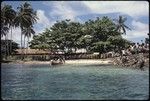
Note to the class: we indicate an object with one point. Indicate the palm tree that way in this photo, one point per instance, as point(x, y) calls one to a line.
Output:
point(11, 26)
point(7, 17)
point(27, 33)
point(4, 32)
point(26, 17)
point(4, 26)
point(120, 26)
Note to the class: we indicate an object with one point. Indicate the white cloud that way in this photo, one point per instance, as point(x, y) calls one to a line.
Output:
point(139, 26)
point(132, 8)
point(62, 10)
point(71, 9)
point(79, 20)
point(16, 35)
point(43, 21)
point(139, 30)
point(42, 18)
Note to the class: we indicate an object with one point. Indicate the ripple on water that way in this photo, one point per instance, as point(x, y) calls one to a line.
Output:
point(73, 82)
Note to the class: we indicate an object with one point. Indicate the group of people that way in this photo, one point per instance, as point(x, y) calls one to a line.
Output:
point(136, 48)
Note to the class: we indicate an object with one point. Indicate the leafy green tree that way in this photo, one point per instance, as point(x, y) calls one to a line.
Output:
point(98, 35)
point(103, 28)
point(100, 30)
point(118, 43)
point(85, 42)
point(101, 47)
point(66, 34)
point(35, 42)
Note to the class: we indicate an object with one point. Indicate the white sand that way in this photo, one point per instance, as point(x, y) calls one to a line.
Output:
point(79, 61)
point(86, 61)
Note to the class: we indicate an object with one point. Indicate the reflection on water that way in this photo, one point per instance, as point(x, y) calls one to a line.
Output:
point(37, 82)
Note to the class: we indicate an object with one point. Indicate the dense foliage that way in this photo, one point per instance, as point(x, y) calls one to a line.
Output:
point(24, 17)
point(5, 48)
point(100, 35)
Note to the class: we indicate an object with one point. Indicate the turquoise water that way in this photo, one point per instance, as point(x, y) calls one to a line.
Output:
point(73, 82)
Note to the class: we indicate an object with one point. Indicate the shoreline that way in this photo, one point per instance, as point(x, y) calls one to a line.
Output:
point(89, 61)
point(108, 61)
point(76, 61)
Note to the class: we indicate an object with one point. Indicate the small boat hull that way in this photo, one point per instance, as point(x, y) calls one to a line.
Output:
point(56, 63)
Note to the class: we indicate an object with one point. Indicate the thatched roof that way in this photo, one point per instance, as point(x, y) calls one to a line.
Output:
point(32, 51)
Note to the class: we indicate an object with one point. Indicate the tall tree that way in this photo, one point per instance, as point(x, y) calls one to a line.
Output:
point(7, 17)
point(120, 24)
point(27, 33)
point(26, 17)
point(13, 15)
point(4, 25)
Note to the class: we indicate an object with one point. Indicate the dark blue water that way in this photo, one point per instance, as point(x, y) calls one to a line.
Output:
point(83, 82)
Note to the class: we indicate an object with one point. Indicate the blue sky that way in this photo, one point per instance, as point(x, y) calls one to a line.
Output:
point(137, 13)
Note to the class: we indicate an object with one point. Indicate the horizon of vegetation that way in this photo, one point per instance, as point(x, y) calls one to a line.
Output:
point(101, 35)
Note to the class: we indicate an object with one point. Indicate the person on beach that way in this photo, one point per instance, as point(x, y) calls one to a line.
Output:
point(141, 64)
point(128, 52)
point(123, 52)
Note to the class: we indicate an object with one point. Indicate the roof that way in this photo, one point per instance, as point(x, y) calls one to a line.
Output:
point(34, 51)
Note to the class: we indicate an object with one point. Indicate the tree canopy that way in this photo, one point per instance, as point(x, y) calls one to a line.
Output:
point(98, 35)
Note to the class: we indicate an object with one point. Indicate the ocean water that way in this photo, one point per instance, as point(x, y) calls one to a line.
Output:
point(73, 82)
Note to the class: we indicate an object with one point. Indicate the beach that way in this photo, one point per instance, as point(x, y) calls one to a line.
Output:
point(78, 61)
point(89, 61)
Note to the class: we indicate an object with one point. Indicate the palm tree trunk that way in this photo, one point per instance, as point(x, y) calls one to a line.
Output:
point(24, 42)
point(24, 46)
point(21, 47)
point(5, 48)
point(7, 45)
point(11, 42)
point(28, 44)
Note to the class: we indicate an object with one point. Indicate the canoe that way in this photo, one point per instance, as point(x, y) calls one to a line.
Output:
point(56, 62)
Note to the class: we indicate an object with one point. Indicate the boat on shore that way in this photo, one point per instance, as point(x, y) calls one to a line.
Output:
point(57, 62)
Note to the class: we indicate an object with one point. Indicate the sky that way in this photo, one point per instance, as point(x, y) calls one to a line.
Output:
point(48, 12)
